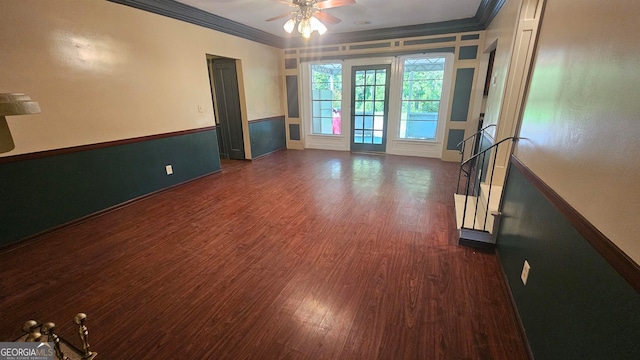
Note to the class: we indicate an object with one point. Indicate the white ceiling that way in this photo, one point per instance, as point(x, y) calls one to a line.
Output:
point(380, 13)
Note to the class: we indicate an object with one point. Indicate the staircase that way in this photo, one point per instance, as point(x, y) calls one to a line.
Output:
point(477, 216)
point(477, 204)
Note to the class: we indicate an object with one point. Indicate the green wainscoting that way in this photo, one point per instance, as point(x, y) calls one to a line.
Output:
point(462, 94)
point(430, 41)
point(468, 52)
point(294, 132)
point(470, 37)
point(267, 136)
point(455, 137)
point(575, 305)
point(293, 106)
point(290, 64)
point(46, 192)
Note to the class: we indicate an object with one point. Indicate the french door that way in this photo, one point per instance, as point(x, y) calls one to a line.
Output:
point(369, 107)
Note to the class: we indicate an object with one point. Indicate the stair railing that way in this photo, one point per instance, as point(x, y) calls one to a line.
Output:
point(462, 146)
point(472, 185)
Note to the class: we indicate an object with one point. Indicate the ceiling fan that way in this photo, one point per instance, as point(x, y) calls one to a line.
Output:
point(309, 15)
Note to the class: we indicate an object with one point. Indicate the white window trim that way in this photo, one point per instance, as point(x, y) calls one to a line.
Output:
point(307, 115)
point(444, 98)
point(395, 144)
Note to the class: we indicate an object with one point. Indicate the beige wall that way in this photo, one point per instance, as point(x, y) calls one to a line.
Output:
point(514, 52)
point(500, 33)
point(103, 71)
point(581, 124)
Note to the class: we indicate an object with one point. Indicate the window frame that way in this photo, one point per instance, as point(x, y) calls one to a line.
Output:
point(395, 144)
point(307, 97)
point(444, 96)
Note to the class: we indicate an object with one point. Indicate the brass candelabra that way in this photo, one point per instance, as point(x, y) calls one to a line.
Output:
point(63, 350)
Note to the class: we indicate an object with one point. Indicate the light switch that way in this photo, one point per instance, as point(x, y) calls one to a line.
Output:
point(525, 272)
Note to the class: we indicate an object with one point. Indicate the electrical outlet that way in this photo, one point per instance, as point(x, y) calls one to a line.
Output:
point(199, 108)
point(525, 272)
point(169, 169)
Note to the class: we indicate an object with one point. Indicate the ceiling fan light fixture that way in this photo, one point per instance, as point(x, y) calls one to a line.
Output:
point(305, 28)
point(317, 25)
point(289, 25)
point(309, 15)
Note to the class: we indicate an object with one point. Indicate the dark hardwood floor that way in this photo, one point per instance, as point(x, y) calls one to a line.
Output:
point(301, 254)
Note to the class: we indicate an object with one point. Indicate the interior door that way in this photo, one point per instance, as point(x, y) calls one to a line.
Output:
point(369, 107)
point(227, 101)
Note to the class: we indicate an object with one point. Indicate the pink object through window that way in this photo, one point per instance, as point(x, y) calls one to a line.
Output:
point(336, 122)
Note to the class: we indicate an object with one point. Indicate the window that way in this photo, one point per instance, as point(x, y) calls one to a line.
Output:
point(407, 116)
point(326, 99)
point(369, 105)
point(422, 83)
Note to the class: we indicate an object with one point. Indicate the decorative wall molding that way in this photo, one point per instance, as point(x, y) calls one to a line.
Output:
point(487, 10)
point(445, 27)
point(448, 49)
point(279, 117)
point(68, 150)
point(622, 263)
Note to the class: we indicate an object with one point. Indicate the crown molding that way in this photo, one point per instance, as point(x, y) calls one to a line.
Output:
point(180, 11)
point(487, 10)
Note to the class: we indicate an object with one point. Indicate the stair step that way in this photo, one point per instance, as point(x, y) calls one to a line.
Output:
point(471, 214)
point(470, 233)
point(494, 201)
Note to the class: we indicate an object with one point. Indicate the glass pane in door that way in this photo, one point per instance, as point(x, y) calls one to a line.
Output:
point(370, 103)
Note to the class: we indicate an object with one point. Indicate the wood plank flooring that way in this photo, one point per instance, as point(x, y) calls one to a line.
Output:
point(299, 255)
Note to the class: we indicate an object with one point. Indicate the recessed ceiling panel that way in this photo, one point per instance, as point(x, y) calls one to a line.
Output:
point(363, 15)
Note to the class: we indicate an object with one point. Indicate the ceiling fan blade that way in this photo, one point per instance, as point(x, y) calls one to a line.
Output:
point(327, 4)
point(326, 18)
point(285, 2)
point(281, 16)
